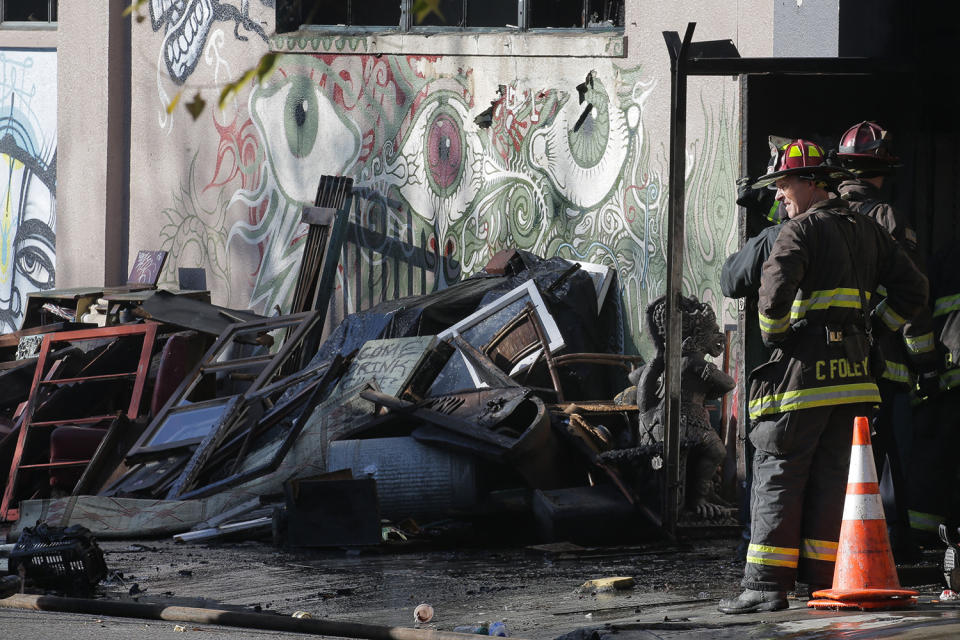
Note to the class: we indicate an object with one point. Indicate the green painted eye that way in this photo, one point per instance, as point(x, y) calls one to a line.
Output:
point(300, 117)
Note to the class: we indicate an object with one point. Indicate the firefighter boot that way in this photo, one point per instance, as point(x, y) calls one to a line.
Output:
point(752, 601)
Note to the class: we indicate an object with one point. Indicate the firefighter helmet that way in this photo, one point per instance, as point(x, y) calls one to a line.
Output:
point(866, 148)
point(866, 140)
point(800, 158)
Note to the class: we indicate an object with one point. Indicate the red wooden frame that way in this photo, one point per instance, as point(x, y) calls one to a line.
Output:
point(9, 511)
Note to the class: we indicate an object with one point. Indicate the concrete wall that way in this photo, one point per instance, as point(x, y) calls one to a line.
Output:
point(28, 151)
point(92, 114)
point(397, 114)
point(806, 28)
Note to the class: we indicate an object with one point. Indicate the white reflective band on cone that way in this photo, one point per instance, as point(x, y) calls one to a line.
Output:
point(862, 468)
point(863, 507)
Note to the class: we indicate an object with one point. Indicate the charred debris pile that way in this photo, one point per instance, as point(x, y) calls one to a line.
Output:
point(502, 399)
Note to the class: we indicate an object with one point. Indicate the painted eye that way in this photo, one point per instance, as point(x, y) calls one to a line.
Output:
point(300, 117)
point(34, 265)
point(34, 251)
point(444, 154)
point(288, 114)
point(588, 142)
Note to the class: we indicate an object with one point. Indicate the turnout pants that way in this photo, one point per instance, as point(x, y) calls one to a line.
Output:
point(889, 455)
point(932, 477)
point(799, 483)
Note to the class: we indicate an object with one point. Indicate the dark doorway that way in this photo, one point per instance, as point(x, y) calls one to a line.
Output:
point(820, 108)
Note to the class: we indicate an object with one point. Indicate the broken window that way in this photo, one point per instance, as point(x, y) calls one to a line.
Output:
point(28, 10)
point(374, 13)
point(454, 14)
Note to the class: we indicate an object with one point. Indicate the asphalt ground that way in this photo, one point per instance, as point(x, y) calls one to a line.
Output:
point(535, 592)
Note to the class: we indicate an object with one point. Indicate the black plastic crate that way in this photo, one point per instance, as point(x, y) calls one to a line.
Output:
point(66, 559)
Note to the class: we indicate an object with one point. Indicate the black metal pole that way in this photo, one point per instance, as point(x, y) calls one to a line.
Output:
point(743, 461)
point(675, 242)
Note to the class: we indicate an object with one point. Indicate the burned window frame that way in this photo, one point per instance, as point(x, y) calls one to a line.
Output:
point(223, 358)
point(293, 15)
point(51, 14)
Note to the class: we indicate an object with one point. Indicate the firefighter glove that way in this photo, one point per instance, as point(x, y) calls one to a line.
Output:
point(747, 196)
point(928, 383)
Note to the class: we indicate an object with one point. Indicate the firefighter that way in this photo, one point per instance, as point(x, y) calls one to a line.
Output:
point(945, 296)
point(740, 276)
point(813, 298)
point(932, 477)
point(910, 359)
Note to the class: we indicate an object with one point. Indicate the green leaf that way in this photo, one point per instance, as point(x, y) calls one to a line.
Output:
point(136, 4)
point(173, 103)
point(423, 8)
point(235, 86)
point(196, 106)
point(267, 65)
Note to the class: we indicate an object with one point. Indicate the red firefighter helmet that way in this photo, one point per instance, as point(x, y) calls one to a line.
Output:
point(866, 141)
point(801, 158)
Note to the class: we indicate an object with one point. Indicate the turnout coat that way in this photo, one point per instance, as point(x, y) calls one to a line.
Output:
point(945, 296)
point(825, 263)
point(913, 348)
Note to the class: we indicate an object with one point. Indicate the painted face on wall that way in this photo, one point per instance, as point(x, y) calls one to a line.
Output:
point(26, 237)
point(28, 183)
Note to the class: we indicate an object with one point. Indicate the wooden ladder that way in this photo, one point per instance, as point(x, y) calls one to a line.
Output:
point(45, 377)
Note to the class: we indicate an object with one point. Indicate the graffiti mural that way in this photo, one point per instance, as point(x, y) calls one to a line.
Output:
point(194, 234)
point(563, 170)
point(187, 24)
point(711, 204)
point(559, 171)
point(28, 157)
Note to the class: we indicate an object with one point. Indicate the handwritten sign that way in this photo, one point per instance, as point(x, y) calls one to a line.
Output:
point(147, 267)
point(391, 362)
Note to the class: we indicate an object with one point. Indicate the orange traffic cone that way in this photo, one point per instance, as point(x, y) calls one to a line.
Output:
point(865, 576)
